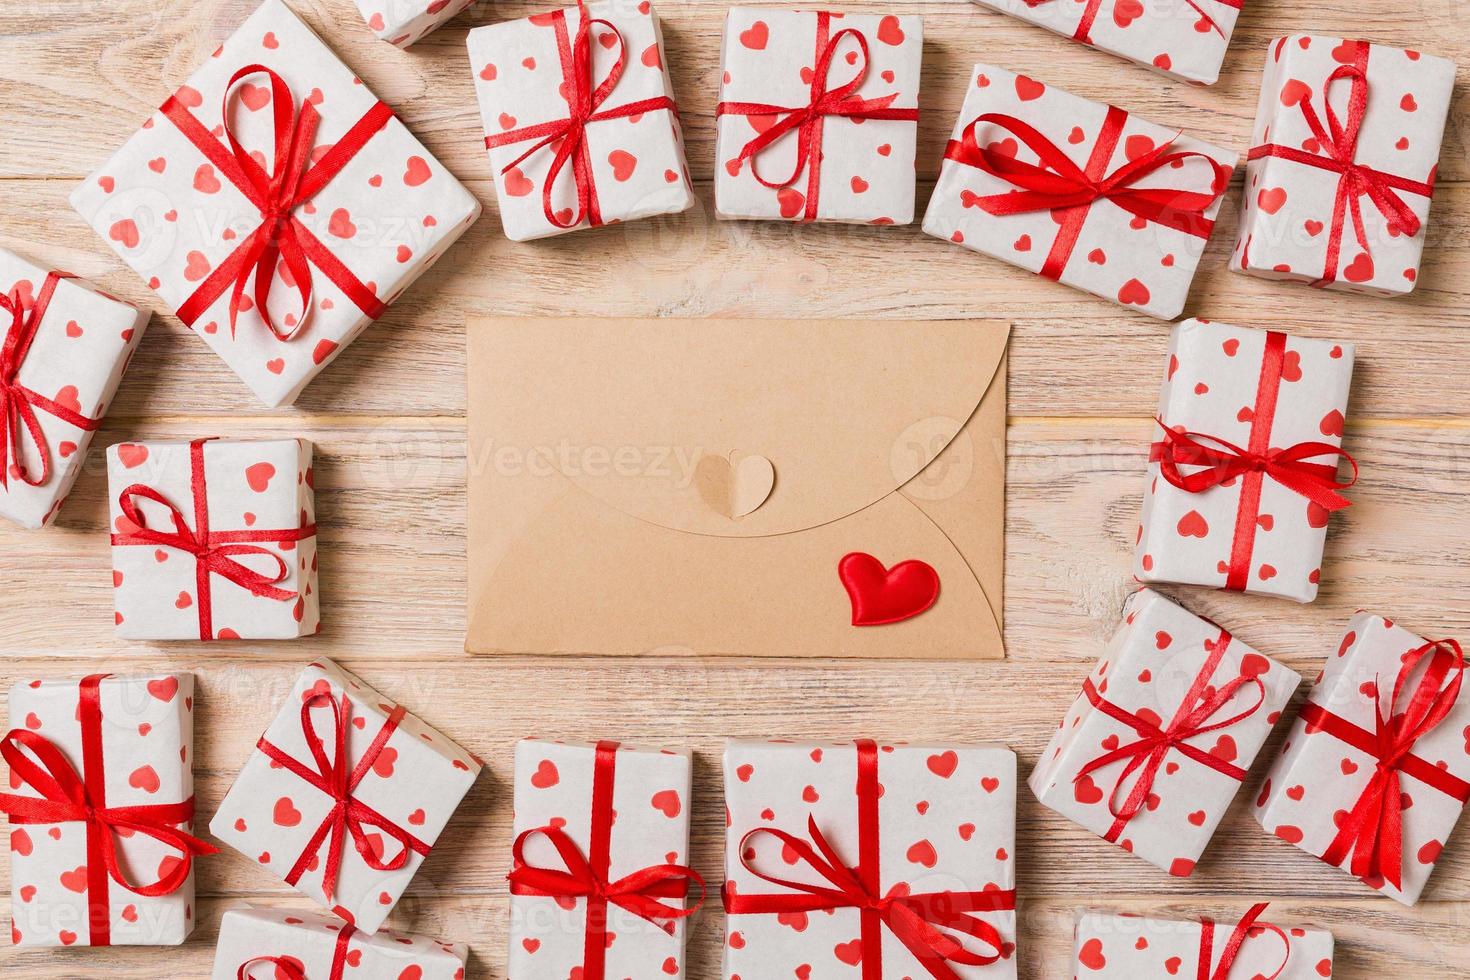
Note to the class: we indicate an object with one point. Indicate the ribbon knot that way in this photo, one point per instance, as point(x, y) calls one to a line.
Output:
point(66, 797)
point(333, 776)
point(809, 121)
point(1220, 461)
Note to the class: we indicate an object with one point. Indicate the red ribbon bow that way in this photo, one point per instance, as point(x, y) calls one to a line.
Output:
point(1242, 932)
point(1336, 151)
point(1372, 834)
point(290, 968)
point(215, 552)
point(349, 815)
point(1057, 184)
point(1146, 756)
point(1094, 7)
point(588, 876)
point(295, 178)
point(809, 120)
point(584, 104)
point(17, 402)
point(1224, 461)
point(67, 798)
point(918, 920)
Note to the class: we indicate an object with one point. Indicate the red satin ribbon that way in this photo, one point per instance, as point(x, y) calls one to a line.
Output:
point(588, 877)
point(1224, 461)
point(918, 920)
point(1372, 833)
point(17, 402)
point(68, 798)
point(290, 968)
point(809, 120)
point(1238, 936)
point(1094, 7)
point(349, 815)
point(584, 102)
point(1146, 756)
point(1336, 151)
point(215, 552)
point(293, 181)
point(1058, 185)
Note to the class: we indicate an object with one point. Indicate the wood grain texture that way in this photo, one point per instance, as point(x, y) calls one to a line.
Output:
point(388, 419)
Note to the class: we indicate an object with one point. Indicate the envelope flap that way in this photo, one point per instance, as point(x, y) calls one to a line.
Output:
point(735, 428)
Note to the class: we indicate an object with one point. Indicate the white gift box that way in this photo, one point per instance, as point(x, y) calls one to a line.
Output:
point(226, 546)
point(1186, 40)
point(408, 780)
point(259, 941)
point(146, 731)
point(1165, 669)
point(1253, 532)
point(179, 206)
point(930, 826)
point(65, 347)
point(1326, 769)
point(557, 790)
point(859, 166)
point(1138, 248)
point(1298, 220)
point(403, 22)
point(1127, 947)
point(629, 163)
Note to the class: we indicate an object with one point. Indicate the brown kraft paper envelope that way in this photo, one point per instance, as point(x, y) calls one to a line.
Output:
point(608, 460)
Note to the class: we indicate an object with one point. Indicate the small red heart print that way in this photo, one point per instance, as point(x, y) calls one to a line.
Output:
point(880, 595)
point(943, 764)
point(1137, 145)
point(791, 202)
point(1091, 955)
point(623, 164)
point(546, 775)
point(164, 688)
point(1332, 423)
point(1193, 525)
point(125, 232)
point(144, 778)
point(205, 181)
point(383, 764)
point(285, 813)
point(1133, 292)
point(667, 802)
point(341, 224)
point(1360, 269)
point(1086, 791)
point(258, 476)
point(1271, 199)
point(1028, 89)
point(1294, 91)
point(923, 853)
point(890, 32)
point(196, 266)
point(75, 880)
point(850, 952)
point(417, 171)
point(756, 36)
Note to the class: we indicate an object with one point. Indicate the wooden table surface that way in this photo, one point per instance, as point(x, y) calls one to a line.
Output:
point(388, 420)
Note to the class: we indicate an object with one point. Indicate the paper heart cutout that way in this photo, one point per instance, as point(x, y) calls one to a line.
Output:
point(887, 595)
point(736, 490)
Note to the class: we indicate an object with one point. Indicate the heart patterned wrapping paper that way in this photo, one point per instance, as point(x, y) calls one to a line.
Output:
point(851, 159)
point(344, 795)
point(1244, 477)
point(405, 22)
point(1077, 191)
point(213, 539)
point(842, 855)
point(351, 211)
point(1152, 753)
point(1342, 164)
point(1132, 947)
point(66, 344)
point(269, 944)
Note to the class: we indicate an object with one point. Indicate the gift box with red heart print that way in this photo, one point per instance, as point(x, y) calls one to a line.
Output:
point(1376, 770)
point(601, 853)
point(1342, 164)
point(1126, 947)
point(101, 807)
point(1076, 191)
point(580, 119)
point(64, 345)
point(345, 795)
point(275, 204)
point(1185, 40)
point(1152, 752)
point(1244, 476)
point(213, 539)
point(283, 944)
point(900, 858)
point(403, 22)
point(818, 116)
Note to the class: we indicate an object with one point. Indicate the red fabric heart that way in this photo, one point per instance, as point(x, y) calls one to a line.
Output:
point(881, 595)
